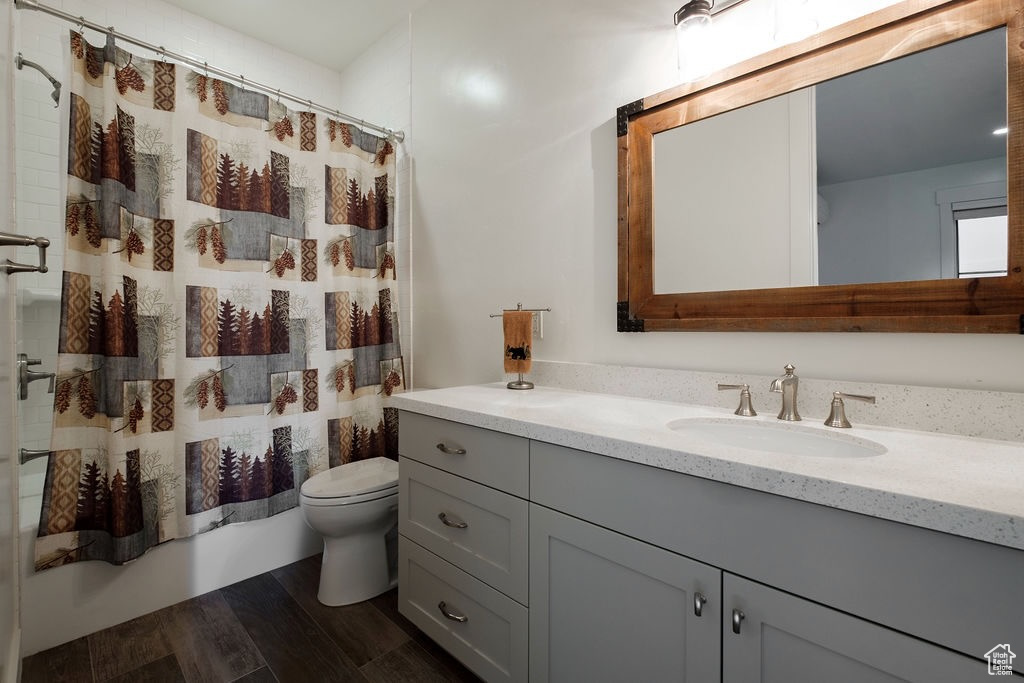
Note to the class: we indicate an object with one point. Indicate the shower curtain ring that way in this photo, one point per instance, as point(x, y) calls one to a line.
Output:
point(81, 25)
point(163, 54)
point(206, 69)
point(279, 96)
point(309, 106)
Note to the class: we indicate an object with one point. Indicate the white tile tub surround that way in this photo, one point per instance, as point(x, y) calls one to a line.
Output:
point(964, 412)
point(952, 484)
point(37, 338)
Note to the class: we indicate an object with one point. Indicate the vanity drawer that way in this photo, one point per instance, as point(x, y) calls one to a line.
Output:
point(491, 458)
point(492, 544)
point(485, 630)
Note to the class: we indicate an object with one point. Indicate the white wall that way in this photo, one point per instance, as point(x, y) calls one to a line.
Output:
point(887, 228)
point(514, 198)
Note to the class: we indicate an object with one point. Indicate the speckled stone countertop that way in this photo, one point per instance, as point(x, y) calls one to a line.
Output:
point(965, 486)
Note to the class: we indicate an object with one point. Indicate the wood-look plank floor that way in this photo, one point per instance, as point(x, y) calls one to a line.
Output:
point(267, 629)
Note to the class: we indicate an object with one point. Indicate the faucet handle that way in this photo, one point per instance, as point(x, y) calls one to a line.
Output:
point(745, 408)
point(837, 416)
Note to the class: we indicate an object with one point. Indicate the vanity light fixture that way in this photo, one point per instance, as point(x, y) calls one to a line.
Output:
point(695, 15)
point(693, 24)
point(1001, 131)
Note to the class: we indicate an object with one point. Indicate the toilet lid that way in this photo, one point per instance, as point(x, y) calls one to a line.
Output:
point(353, 479)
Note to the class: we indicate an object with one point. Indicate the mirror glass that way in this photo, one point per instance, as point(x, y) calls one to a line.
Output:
point(890, 174)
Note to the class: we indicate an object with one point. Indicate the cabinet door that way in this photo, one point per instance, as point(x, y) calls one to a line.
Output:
point(606, 607)
point(786, 639)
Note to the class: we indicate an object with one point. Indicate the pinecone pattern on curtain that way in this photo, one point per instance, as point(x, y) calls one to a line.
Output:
point(226, 261)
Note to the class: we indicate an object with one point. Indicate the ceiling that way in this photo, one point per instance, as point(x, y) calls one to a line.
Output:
point(935, 108)
point(332, 33)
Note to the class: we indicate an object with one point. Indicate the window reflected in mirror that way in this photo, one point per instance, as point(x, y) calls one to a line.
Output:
point(981, 241)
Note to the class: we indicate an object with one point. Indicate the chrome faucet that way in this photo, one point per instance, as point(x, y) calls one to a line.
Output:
point(787, 386)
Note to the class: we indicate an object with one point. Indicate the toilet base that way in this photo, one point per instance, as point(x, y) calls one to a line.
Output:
point(354, 569)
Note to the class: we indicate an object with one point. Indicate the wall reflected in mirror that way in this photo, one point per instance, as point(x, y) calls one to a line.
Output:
point(890, 174)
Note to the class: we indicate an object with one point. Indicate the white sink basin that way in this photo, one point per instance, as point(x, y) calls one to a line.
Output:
point(788, 438)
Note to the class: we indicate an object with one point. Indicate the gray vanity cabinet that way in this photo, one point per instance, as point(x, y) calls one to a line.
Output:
point(463, 524)
point(606, 607)
point(581, 567)
point(785, 638)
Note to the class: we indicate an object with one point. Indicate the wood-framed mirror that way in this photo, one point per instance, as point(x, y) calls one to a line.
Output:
point(957, 300)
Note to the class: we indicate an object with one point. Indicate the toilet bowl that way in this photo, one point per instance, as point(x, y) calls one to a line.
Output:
point(353, 506)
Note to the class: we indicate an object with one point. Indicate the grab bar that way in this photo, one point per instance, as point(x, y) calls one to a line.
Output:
point(28, 454)
point(8, 239)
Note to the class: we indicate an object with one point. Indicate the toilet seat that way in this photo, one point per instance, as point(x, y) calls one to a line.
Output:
point(355, 482)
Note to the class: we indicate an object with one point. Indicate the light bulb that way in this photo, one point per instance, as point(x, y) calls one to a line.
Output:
point(693, 35)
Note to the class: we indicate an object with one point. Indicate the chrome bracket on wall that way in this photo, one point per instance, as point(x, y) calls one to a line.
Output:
point(8, 239)
point(25, 376)
point(28, 454)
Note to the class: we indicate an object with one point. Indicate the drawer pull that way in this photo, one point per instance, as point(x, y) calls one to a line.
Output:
point(454, 616)
point(698, 603)
point(453, 523)
point(450, 451)
point(737, 618)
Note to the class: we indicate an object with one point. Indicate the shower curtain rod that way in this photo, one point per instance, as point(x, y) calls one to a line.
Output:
point(396, 135)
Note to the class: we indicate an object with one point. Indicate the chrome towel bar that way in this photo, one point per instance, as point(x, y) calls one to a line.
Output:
point(8, 239)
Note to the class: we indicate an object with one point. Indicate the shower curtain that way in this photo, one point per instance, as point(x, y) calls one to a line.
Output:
point(228, 317)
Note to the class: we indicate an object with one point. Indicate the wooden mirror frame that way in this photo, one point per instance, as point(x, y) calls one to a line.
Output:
point(993, 304)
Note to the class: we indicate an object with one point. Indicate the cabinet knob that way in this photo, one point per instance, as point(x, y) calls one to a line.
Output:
point(454, 523)
point(737, 619)
point(698, 603)
point(449, 614)
point(450, 451)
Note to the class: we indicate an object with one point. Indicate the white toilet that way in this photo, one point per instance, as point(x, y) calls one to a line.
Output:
point(353, 506)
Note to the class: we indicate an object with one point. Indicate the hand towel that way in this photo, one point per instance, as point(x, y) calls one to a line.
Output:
point(518, 339)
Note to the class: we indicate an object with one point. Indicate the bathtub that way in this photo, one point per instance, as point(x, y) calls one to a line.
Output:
point(64, 603)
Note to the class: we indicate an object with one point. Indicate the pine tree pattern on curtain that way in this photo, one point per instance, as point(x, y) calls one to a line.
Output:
point(228, 318)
